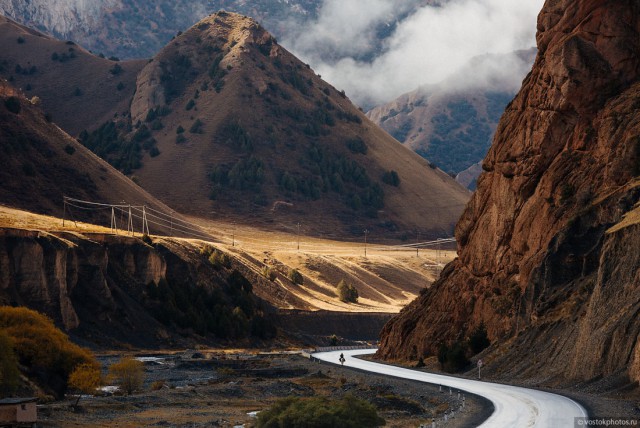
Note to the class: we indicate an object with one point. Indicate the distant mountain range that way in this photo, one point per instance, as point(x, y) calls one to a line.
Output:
point(451, 124)
point(140, 28)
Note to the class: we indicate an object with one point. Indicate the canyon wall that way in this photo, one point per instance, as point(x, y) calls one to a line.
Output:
point(548, 245)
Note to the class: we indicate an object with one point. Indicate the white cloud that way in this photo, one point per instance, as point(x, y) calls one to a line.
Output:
point(430, 43)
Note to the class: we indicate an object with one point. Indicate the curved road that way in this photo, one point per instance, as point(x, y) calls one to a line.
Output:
point(514, 406)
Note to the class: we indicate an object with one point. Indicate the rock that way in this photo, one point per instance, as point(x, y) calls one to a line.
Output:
point(539, 262)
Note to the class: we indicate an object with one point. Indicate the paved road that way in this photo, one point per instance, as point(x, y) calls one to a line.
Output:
point(514, 406)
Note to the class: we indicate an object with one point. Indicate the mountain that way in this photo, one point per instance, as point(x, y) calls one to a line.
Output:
point(300, 151)
point(242, 128)
point(140, 28)
point(77, 88)
point(548, 245)
point(452, 123)
point(42, 164)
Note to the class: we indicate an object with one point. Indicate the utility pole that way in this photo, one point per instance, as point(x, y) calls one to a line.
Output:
point(366, 232)
point(298, 236)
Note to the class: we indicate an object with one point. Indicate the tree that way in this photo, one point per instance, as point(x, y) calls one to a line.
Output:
point(9, 373)
point(347, 293)
point(295, 276)
point(128, 374)
point(39, 345)
point(478, 340)
point(84, 379)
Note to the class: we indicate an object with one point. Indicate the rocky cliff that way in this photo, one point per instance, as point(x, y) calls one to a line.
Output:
point(548, 245)
point(116, 290)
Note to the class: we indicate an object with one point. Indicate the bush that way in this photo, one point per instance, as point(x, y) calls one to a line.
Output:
point(453, 359)
point(356, 145)
point(116, 69)
point(40, 347)
point(391, 178)
point(9, 373)
point(128, 374)
point(295, 276)
point(69, 149)
point(478, 340)
point(268, 273)
point(84, 379)
point(158, 385)
point(13, 104)
point(191, 104)
point(347, 293)
point(196, 127)
point(219, 260)
point(295, 412)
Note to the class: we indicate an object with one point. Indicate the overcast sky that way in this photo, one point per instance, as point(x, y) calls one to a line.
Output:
point(428, 45)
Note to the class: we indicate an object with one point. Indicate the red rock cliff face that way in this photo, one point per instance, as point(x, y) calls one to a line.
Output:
point(536, 263)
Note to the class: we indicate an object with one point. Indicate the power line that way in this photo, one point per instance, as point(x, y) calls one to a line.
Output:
point(146, 214)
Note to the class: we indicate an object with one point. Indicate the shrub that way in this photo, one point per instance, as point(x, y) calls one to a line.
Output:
point(128, 374)
point(196, 127)
point(268, 273)
point(180, 138)
point(84, 379)
point(356, 145)
point(69, 149)
point(219, 260)
point(154, 152)
point(207, 250)
point(179, 129)
point(158, 385)
point(295, 276)
point(28, 169)
point(146, 239)
point(9, 373)
point(120, 86)
point(453, 359)
point(77, 92)
point(13, 104)
point(296, 412)
point(40, 346)
point(20, 40)
point(347, 293)
point(391, 178)
point(478, 340)
point(191, 104)
point(116, 69)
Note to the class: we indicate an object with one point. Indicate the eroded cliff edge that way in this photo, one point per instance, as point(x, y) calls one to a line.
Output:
point(549, 244)
point(122, 291)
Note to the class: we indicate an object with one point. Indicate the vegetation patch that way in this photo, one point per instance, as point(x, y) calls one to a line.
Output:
point(42, 349)
point(295, 412)
point(347, 293)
